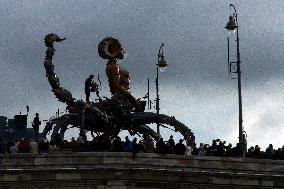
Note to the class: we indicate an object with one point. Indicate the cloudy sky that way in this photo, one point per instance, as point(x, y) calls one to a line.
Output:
point(195, 88)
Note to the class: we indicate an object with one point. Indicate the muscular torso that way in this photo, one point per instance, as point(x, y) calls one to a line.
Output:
point(119, 79)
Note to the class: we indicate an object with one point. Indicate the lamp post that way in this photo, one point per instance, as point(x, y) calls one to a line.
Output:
point(233, 26)
point(161, 66)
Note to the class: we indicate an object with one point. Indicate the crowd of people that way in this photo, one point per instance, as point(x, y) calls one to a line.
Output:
point(103, 144)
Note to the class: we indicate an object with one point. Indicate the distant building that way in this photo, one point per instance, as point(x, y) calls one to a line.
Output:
point(13, 129)
point(10, 131)
point(11, 123)
point(20, 125)
point(3, 125)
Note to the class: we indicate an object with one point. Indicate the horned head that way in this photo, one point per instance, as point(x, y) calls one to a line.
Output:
point(111, 48)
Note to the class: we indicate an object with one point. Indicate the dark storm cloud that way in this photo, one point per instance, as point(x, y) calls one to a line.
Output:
point(192, 30)
point(196, 51)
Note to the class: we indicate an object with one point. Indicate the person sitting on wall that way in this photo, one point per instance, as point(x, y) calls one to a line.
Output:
point(24, 146)
point(172, 143)
point(180, 148)
point(161, 146)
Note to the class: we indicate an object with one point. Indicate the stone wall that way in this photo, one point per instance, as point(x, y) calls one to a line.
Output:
point(107, 170)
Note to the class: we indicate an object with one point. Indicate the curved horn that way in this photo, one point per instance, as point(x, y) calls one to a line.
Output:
point(103, 47)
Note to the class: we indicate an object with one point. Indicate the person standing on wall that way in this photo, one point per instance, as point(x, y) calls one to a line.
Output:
point(36, 123)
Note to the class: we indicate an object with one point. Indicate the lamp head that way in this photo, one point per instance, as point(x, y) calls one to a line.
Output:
point(162, 64)
point(231, 25)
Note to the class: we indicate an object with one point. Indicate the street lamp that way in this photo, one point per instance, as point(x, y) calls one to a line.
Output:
point(162, 66)
point(233, 26)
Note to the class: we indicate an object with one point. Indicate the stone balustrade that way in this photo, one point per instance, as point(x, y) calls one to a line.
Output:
point(120, 170)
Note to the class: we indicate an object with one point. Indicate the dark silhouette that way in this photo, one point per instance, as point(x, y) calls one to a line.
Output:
point(148, 144)
point(194, 149)
point(180, 148)
point(134, 147)
point(269, 152)
point(256, 152)
point(171, 142)
point(249, 152)
point(140, 147)
point(10, 144)
point(43, 146)
point(36, 123)
point(229, 150)
point(56, 141)
point(161, 146)
point(88, 87)
point(221, 148)
point(104, 143)
point(117, 145)
point(281, 154)
point(127, 145)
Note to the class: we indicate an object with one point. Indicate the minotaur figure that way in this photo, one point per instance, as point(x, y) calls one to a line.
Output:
point(119, 80)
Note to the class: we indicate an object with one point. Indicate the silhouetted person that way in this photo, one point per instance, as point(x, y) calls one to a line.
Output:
point(88, 87)
point(57, 142)
point(74, 145)
point(168, 149)
point(127, 145)
point(256, 152)
point(117, 145)
point(238, 150)
point(229, 150)
point(281, 154)
point(104, 144)
point(83, 134)
point(33, 147)
point(250, 152)
point(221, 148)
point(134, 147)
point(43, 146)
point(35, 125)
point(269, 152)
point(194, 149)
point(9, 145)
point(140, 147)
point(148, 144)
point(161, 146)
point(180, 148)
point(245, 142)
point(212, 151)
point(171, 142)
point(201, 150)
point(276, 153)
point(188, 150)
